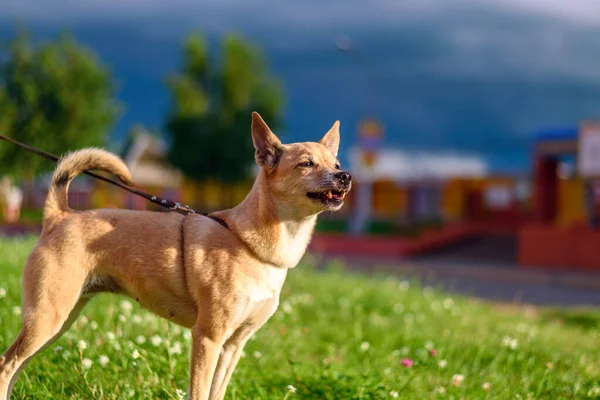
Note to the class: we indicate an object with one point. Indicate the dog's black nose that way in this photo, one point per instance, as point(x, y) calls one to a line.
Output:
point(344, 177)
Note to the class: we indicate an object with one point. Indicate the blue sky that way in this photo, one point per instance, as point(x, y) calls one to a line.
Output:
point(463, 75)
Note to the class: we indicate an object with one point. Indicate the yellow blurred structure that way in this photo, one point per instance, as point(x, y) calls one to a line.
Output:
point(571, 202)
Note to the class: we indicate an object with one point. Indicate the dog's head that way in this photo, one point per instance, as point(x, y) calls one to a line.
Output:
point(304, 177)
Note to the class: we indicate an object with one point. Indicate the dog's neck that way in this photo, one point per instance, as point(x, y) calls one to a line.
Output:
point(275, 236)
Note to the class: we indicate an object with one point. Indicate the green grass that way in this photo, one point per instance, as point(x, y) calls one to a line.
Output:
point(335, 336)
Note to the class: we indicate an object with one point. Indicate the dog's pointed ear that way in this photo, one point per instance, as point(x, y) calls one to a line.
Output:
point(331, 140)
point(267, 145)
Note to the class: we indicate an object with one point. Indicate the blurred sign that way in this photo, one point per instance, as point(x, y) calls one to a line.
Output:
point(370, 136)
point(589, 149)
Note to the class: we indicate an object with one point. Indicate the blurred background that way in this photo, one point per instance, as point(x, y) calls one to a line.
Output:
point(462, 121)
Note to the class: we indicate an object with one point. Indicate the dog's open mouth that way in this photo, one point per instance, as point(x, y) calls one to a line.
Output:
point(328, 196)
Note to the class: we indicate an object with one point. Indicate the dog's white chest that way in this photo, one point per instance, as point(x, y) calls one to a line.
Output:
point(293, 242)
point(260, 294)
point(268, 286)
point(263, 296)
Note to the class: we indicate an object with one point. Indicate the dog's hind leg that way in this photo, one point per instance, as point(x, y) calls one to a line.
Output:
point(51, 302)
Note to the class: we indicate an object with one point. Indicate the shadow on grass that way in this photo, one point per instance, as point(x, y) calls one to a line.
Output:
point(586, 320)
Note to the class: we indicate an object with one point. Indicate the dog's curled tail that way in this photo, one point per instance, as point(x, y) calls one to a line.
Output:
point(75, 163)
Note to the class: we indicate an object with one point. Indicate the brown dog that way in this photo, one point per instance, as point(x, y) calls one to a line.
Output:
point(223, 282)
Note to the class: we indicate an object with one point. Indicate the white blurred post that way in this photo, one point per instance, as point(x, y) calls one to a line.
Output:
point(362, 209)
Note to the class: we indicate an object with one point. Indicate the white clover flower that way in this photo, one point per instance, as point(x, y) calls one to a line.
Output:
point(137, 319)
point(122, 318)
point(429, 345)
point(150, 318)
point(486, 386)
point(156, 340)
point(111, 336)
point(457, 379)
point(136, 354)
point(443, 363)
point(448, 303)
point(394, 395)
point(175, 349)
point(126, 305)
point(286, 307)
point(291, 388)
point(93, 325)
point(58, 349)
point(364, 346)
point(83, 320)
point(82, 345)
point(2, 293)
point(404, 285)
point(140, 339)
point(103, 360)
point(441, 390)
point(257, 354)
point(86, 363)
point(514, 343)
point(16, 310)
point(187, 335)
point(180, 394)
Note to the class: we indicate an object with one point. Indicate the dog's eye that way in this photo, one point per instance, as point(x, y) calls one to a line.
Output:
point(337, 166)
point(307, 164)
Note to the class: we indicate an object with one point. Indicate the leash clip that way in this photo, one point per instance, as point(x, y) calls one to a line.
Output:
point(179, 207)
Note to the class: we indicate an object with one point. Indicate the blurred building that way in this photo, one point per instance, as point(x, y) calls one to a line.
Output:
point(563, 228)
point(442, 187)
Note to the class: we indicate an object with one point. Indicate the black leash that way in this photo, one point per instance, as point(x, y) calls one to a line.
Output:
point(171, 205)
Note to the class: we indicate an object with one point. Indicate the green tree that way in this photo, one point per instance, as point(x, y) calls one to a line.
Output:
point(213, 98)
point(56, 96)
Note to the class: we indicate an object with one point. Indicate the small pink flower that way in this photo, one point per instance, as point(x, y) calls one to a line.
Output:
point(407, 362)
point(433, 352)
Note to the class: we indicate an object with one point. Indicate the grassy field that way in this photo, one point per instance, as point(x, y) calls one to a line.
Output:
point(335, 336)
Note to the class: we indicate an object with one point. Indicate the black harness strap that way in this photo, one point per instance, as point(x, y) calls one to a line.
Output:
point(218, 220)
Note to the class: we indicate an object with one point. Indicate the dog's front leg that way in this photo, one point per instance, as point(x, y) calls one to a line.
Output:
point(230, 355)
point(206, 347)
